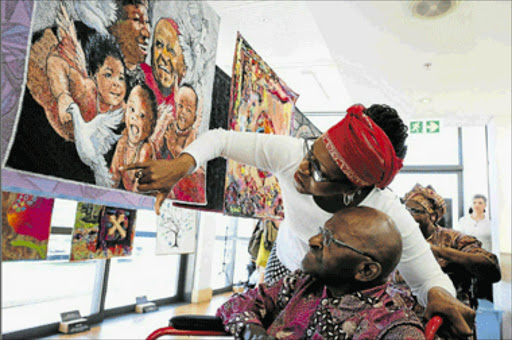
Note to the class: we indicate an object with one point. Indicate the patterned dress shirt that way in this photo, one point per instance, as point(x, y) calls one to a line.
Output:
point(300, 307)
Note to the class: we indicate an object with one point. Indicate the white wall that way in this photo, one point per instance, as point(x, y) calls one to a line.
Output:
point(499, 138)
point(474, 161)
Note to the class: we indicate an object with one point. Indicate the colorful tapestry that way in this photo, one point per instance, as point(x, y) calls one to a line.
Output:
point(102, 232)
point(25, 226)
point(262, 103)
point(175, 230)
point(103, 92)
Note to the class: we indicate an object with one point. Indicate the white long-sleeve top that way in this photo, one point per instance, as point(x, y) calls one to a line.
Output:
point(281, 155)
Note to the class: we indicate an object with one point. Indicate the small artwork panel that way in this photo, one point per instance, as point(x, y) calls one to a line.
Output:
point(102, 232)
point(111, 83)
point(25, 226)
point(176, 230)
point(116, 232)
point(85, 233)
point(260, 103)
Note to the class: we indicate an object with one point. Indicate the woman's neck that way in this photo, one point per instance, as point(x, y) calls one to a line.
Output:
point(334, 203)
point(478, 216)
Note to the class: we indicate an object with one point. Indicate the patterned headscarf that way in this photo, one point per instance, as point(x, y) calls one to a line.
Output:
point(429, 199)
point(362, 149)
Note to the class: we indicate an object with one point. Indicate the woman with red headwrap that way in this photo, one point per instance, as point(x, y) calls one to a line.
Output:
point(349, 165)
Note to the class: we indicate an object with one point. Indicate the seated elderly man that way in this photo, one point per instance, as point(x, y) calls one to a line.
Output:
point(341, 292)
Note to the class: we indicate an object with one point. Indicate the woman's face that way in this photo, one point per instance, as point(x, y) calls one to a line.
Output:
point(138, 116)
point(479, 205)
point(304, 182)
point(110, 81)
point(418, 212)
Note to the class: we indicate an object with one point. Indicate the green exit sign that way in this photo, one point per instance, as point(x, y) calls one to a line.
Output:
point(425, 126)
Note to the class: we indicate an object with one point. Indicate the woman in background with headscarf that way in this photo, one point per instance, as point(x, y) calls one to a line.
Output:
point(460, 256)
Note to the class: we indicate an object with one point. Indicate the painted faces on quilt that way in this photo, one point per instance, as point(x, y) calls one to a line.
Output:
point(139, 115)
point(167, 57)
point(317, 158)
point(132, 34)
point(186, 107)
point(111, 82)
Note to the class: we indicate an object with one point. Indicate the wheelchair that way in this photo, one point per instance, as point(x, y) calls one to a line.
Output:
point(207, 325)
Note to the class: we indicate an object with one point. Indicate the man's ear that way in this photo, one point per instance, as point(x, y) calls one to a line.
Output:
point(368, 271)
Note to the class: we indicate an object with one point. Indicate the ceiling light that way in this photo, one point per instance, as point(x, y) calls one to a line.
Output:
point(430, 9)
point(425, 100)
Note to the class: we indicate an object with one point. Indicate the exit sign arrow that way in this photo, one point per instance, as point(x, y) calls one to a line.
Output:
point(432, 126)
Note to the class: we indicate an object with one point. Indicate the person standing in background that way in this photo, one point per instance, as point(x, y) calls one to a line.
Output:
point(477, 224)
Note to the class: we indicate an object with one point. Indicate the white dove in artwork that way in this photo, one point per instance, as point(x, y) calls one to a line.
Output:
point(97, 14)
point(94, 139)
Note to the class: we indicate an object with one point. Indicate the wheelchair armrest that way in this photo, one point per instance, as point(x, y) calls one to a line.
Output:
point(197, 322)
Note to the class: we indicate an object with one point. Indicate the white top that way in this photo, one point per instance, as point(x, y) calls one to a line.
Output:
point(281, 155)
point(479, 229)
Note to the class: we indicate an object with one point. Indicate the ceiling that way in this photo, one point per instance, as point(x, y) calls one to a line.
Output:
point(456, 67)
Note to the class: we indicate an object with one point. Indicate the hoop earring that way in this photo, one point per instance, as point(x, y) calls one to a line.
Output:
point(349, 198)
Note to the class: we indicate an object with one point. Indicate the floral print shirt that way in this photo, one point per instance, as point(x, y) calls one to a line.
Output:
point(300, 307)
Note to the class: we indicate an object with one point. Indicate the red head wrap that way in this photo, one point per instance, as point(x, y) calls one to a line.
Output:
point(362, 149)
point(173, 24)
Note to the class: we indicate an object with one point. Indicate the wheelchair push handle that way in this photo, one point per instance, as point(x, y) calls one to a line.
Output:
point(433, 326)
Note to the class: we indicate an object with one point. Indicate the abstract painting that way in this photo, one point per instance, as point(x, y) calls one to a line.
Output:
point(262, 103)
point(116, 231)
point(175, 230)
point(101, 91)
point(102, 232)
point(85, 233)
point(25, 226)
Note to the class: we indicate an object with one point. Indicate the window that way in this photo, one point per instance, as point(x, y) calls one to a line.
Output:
point(143, 273)
point(242, 257)
point(223, 254)
point(34, 293)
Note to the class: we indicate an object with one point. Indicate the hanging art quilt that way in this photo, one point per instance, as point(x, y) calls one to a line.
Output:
point(26, 226)
point(107, 85)
point(175, 230)
point(102, 232)
point(261, 103)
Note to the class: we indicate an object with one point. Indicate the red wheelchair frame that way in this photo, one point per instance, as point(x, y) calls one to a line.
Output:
point(193, 325)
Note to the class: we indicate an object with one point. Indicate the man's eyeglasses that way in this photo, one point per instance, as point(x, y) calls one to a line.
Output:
point(415, 211)
point(327, 238)
point(314, 165)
